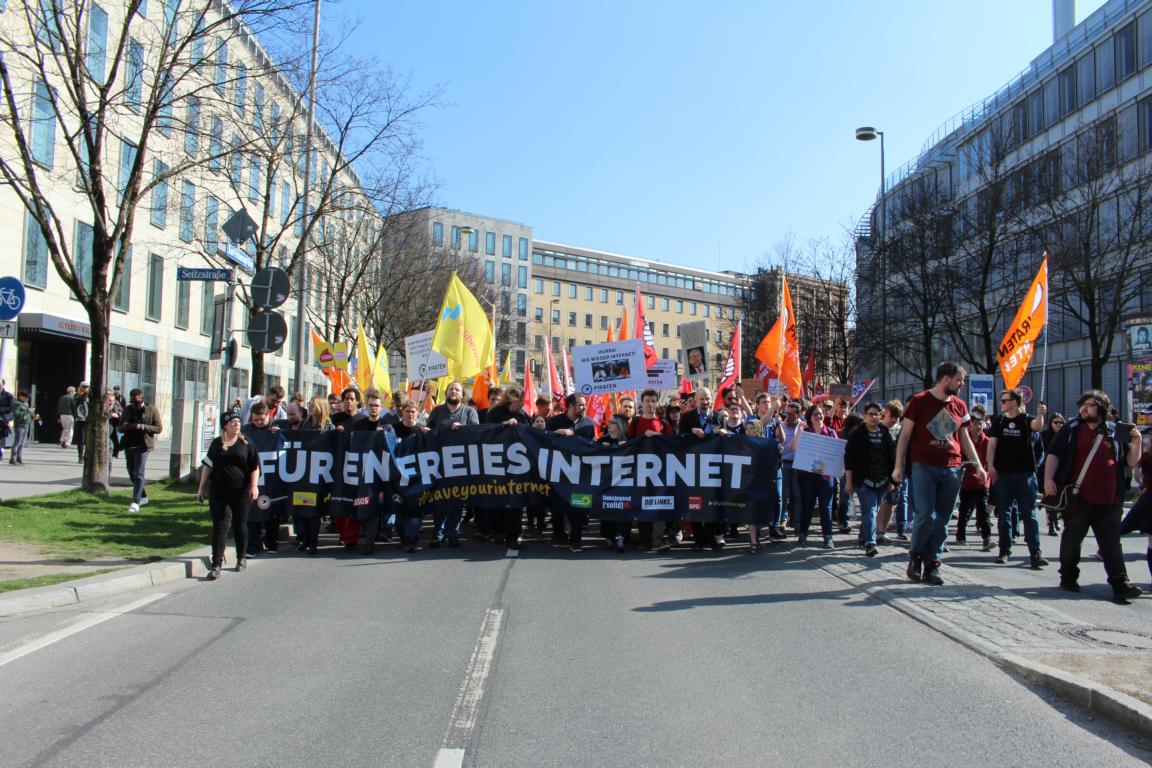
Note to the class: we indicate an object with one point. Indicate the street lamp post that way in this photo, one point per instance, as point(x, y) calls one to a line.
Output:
point(868, 133)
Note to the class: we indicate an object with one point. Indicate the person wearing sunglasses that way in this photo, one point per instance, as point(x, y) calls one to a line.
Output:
point(1012, 472)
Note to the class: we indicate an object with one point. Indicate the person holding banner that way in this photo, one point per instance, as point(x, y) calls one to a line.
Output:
point(263, 524)
point(649, 424)
point(755, 428)
point(229, 479)
point(897, 499)
point(700, 423)
point(509, 411)
point(306, 520)
point(450, 414)
point(615, 532)
point(1085, 471)
point(1012, 471)
point(789, 426)
point(932, 435)
point(815, 489)
point(409, 515)
point(869, 458)
point(571, 423)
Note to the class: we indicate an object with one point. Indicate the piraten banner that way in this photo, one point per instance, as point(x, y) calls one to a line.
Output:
point(362, 474)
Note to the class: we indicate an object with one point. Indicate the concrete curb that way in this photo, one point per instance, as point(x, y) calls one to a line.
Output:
point(1118, 707)
point(189, 565)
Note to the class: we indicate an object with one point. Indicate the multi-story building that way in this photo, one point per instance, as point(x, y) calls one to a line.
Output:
point(579, 295)
point(231, 125)
point(1056, 161)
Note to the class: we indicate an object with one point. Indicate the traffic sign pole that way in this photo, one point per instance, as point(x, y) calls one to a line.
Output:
point(12, 297)
point(225, 339)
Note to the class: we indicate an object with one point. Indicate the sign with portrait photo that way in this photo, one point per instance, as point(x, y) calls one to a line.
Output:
point(617, 366)
point(1140, 339)
point(694, 342)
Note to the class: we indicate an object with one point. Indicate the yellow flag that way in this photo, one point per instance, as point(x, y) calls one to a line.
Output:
point(365, 360)
point(380, 377)
point(507, 377)
point(463, 334)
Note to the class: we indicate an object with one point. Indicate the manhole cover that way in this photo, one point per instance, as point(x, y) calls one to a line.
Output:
point(1119, 637)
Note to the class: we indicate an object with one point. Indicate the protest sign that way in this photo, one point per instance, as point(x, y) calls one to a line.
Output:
point(616, 366)
point(662, 375)
point(982, 391)
point(819, 454)
point(423, 362)
point(694, 342)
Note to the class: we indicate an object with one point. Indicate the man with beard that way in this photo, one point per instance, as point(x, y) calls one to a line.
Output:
point(702, 422)
point(263, 525)
point(571, 423)
point(450, 414)
point(374, 419)
point(931, 434)
point(507, 521)
point(1085, 463)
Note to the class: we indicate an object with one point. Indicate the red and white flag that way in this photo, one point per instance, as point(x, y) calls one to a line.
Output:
point(569, 388)
point(731, 374)
point(529, 390)
point(643, 331)
point(555, 387)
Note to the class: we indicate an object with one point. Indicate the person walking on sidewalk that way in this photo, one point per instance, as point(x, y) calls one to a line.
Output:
point(869, 458)
point(229, 479)
point(1085, 467)
point(64, 416)
point(973, 490)
point(80, 420)
point(932, 434)
point(22, 418)
point(139, 426)
point(1012, 472)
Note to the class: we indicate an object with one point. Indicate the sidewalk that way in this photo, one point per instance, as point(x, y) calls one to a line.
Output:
point(48, 468)
point(1091, 651)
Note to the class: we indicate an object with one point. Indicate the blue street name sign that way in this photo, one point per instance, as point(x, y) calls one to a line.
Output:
point(207, 274)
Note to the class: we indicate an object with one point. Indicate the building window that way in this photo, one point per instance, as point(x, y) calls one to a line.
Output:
point(155, 300)
point(1105, 66)
point(572, 318)
point(651, 302)
point(207, 308)
point(506, 275)
point(1068, 91)
point(187, 211)
point(692, 308)
point(437, 233)
point(539, 286)
point(538, 314)
point(523, 249)
point(521, 305)
point(241, 89)
point(555, 288)
point(159, 214)
point(1086, 78)
point(254, 179)
point(1125, 42)
point(664, 329)
point(216, 145)
point(97, 41)
point(35, 254)
point(183, 299)
point(679, 306)
point(588, 291)
point(134, 75)
point(211, 224)
point(556, 316)
point(506, 246)
point(505, 303)
point(538, 343)
point(123, 294)
point(664, 303)
point(221, 76)
point(603, 322)
point(522, 277)
point(43, 125)
point(572, 290)
point(603, 295)
point(707, 310)
point(82, 254)
point(236, 165)
point(192, 131)
point(131, 368)
point(190, 379)
point(474, 241)
point(456, 237)
point(490, 243)
point(127, 161)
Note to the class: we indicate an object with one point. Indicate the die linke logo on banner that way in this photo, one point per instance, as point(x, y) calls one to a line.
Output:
point(658, 502)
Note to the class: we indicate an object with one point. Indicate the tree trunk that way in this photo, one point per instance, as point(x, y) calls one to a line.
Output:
point(257, 373)
point(96, 446)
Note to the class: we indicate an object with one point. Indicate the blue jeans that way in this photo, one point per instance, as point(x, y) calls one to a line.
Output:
point(447, 524)
point(1019, 487)
point(869, 503)
point(898, 498)
point(933, 495)
point(790, 495)
point(775, 508)
point(815, 490)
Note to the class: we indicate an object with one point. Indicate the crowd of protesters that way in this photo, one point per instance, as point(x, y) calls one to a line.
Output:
point(914, 469)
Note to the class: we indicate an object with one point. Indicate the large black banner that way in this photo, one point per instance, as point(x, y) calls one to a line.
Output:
point(648, 479)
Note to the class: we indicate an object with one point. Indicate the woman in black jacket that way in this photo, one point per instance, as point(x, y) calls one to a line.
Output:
point(869, 458)
point(228, 479)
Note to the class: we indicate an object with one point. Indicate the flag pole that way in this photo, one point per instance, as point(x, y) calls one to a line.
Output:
point(1047, 304)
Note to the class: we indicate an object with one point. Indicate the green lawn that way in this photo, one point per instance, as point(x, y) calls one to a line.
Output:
point(47, 581)
point(82, 525)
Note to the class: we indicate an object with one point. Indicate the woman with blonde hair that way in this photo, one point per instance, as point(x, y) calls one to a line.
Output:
point(319, 415)
point(307, 521)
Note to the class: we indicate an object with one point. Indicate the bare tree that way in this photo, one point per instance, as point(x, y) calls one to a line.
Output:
point(1096, 227)
point(93, 84)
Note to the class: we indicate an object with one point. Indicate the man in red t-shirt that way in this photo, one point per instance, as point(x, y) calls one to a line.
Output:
point(931, 435)
point(648, 424)
point(1094, 497)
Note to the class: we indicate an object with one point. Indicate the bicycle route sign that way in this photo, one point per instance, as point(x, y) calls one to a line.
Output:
point(11, 298)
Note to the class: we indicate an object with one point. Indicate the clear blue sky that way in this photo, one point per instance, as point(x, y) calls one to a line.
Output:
point(692, 134)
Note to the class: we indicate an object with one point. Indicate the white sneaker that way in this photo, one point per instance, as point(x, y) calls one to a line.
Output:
point(133, 507)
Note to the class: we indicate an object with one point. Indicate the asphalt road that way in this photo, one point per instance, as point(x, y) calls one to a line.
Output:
point(555, 659)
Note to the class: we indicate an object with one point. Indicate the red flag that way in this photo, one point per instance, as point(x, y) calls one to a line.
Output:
point(810, 369)
point(623, 335)
point(529, 390)
point(596, 408)
point(731, 373)
point(644, 332)
point(555, 386)
point(763, 372)
point(686, 387)
point(569, 387)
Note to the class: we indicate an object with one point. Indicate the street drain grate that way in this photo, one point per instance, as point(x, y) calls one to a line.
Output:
point(1118, 637)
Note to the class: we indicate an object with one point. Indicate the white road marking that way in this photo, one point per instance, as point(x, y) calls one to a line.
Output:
point(463, 720)
point(86, 622)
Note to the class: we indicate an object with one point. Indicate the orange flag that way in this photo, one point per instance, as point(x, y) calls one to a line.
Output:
point(779, 349)
point(624, 325)
point(644, 332)
point(480, 388)
point(1020, 341)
